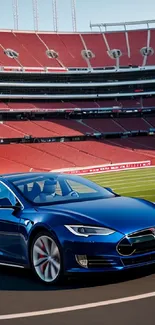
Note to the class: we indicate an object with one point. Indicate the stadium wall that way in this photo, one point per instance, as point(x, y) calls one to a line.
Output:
point(105, 168)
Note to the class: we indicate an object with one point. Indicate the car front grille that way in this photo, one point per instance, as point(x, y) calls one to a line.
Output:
point(99, 262)
point(137, 243)
point(138, 260)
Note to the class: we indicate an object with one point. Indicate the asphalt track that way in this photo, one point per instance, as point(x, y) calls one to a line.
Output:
point(116, 298)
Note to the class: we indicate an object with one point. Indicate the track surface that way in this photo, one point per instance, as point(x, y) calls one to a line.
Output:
point(21, 293)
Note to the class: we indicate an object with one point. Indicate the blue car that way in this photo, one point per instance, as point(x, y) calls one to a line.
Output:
point(59, 224)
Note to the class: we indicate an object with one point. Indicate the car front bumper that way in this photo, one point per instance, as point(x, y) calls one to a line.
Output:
point(98, 254)
point(91, 259)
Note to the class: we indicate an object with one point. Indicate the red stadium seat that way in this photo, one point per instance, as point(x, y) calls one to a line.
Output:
point(151, 121)
point(117, 41)
point(21, 106)
point(7, 130)
point(52, 128)
point(65, 127)
point(74, 46)
point(104, 125)
point(148, 102)
point(9, 166)
point(3, 107)
point(52, 105)
point(30, 128)
point(9, 40)
point(133, 123)
point(68, 49)
point(96, 44)
point(151, 58)
point(37, 49)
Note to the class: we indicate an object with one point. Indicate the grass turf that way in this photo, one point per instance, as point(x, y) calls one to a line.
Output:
point(135, 183)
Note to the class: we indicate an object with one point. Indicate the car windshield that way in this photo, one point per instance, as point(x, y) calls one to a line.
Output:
point(51, 189)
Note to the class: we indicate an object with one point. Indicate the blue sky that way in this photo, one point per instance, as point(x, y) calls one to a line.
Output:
point(87, 10)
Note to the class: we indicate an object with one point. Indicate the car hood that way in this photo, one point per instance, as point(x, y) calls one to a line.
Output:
point(122, 214)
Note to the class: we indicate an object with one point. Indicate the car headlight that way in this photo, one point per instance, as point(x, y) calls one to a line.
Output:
point(86, 231)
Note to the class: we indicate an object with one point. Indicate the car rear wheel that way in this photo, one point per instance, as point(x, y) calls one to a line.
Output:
point(46, 258)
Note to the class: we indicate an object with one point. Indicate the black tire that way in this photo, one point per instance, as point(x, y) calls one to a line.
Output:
point(60, 274)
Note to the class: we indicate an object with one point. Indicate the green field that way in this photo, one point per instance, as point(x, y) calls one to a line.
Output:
point(136, 183)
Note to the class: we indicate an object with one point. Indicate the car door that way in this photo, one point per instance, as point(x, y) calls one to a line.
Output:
point(10, 244)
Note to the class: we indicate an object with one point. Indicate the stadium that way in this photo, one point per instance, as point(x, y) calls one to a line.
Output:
point(80, 103)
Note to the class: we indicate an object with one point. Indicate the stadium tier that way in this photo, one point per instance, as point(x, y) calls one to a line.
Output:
point(79, 77)
point(62, 51)
point(60, 127)
point(138, 103)
point(24, 157)
point(48, 156)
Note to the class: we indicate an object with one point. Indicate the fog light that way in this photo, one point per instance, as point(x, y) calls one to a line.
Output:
point(82, 260)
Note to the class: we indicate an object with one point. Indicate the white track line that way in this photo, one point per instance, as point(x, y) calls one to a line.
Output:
point(78, 307)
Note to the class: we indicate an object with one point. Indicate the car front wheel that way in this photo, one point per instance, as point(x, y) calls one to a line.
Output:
point(46, 258)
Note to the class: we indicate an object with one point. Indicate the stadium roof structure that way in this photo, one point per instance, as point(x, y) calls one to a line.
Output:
point(145, 23)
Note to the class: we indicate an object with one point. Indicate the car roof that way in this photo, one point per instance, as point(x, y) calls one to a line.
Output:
point(16, 176)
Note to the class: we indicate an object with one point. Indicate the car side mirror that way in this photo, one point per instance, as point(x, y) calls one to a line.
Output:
point(16, 208)
point(109, 189)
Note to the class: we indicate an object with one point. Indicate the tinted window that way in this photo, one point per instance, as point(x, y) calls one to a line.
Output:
point(50, 189)
point(6, 196)
point(80, 187)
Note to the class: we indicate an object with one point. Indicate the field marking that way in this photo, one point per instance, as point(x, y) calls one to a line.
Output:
point(78, 307)
point(132, 194)
point(121, 180)
point(141, 196)
point(135, 186)
point(120, 183)
point(121, 175)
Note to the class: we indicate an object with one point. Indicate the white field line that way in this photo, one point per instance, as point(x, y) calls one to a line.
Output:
point(130, 181)
point(78, 307)
point(130, 184)
point(132, 193)
point(125, 177)
point(133, 187)
point(129, 190)
point(142, 196)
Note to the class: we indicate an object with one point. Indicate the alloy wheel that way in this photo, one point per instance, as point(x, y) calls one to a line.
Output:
point(46, 258)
